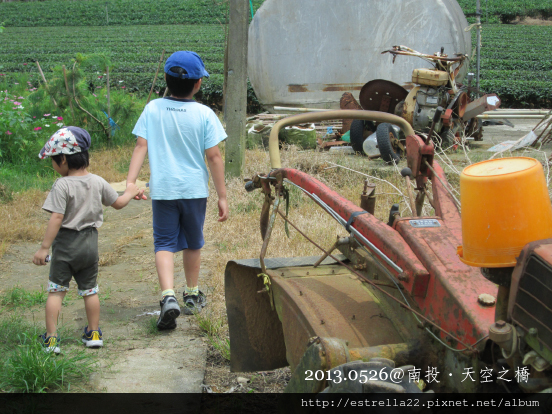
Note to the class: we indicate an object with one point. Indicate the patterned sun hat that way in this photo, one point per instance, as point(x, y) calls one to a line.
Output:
point(67, 140)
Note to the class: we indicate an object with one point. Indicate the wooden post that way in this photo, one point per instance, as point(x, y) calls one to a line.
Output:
point(45, 82)
point(235, 102)
point(68, 94)
point(155, 77)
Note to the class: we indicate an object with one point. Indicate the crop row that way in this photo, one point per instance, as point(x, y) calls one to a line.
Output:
point(114, 12)
point(506, 11)
point(516, 64)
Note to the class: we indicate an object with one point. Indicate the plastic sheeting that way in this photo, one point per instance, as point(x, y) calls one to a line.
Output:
point(309, 52)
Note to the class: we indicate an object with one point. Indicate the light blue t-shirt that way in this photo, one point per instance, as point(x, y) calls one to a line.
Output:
point(178, 132)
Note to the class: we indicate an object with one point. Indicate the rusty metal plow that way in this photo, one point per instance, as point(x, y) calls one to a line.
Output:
point(376, 251)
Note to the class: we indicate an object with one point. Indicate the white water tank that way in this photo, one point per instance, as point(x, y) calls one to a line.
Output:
point(309, 52)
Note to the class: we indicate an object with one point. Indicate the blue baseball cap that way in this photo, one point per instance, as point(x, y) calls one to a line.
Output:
point(189, 61)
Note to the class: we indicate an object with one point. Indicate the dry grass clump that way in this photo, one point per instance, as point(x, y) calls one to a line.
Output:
point(23, 218)
point(112, 163)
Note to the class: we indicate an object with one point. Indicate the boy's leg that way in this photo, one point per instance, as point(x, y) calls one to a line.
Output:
point(164, 263)
point(53, 308)
point(192, 262)
point(92, 307)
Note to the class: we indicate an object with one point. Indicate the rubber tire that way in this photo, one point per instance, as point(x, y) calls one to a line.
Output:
point(358, 126)
point(384, 144)
point(447, 138)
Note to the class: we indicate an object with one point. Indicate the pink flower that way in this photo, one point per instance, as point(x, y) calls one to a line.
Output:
point(37, 129)
point(46, 114)
point(60, 118)
point(24, 64)
point(17, 103)
point(20, 97)
point(99, 77)
point(8, 133)
point(34, 117)
point(123, 87)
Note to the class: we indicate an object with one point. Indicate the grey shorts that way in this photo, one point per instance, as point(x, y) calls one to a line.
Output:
point(75, 254)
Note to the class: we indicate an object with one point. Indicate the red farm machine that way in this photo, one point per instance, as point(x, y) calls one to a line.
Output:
point(408, 294)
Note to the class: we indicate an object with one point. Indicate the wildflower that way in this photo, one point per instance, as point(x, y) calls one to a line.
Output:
point(46, 125)
point(37, 129)
point(46, 114)
point(20, 97)
point(99, 77)
point(24, 64)
point(55, 116)
point(123, 87)
point(34, 117)
point(8, 133)
point(59, 124)
point(15, 83)
point(120, 81)
point(17, 103)
point(60, 118)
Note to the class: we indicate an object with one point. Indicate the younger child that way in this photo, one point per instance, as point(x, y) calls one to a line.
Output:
point(75, 202)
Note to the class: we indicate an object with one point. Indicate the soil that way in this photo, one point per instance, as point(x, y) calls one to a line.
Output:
point(530, 21)
point(135, 357)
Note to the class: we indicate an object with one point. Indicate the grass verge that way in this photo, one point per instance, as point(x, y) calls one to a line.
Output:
point(25, 367)
point(30, 369)
point(20, 297)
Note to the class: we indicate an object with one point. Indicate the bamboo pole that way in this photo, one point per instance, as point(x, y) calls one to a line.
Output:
point(68, 93)
point(156, 73)
point(45, 83)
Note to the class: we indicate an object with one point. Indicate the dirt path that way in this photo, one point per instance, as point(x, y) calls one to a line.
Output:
point(135, 358)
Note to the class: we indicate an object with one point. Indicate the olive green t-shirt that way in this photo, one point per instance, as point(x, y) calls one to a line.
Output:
point(80, 199)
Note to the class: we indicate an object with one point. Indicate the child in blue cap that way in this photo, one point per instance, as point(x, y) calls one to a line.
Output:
point(75, 202)
point(178, 133)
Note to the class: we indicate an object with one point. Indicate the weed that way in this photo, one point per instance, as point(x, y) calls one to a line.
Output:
point(30, 369)
point(150, 326)
point(4, 245)
point(11, 329)
point(221, 345)
point(209, 324)
point(213, 326)
point(105, 296)
point(20, 297)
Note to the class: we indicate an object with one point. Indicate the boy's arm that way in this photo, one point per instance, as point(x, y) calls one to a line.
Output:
point(52, 230)
point(131, 191)
point(216, 166)
point(138, 157)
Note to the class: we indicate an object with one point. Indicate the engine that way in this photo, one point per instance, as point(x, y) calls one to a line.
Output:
point(428, 99)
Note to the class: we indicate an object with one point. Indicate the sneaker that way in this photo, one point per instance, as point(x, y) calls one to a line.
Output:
point(50, 343)
point(194, 303)
point(92, 339)
point(170, 310)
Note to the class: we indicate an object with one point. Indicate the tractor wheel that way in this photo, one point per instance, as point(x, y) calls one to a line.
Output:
point(384, 135)
point(359, 133)
point(378, 375)
point(448, 138)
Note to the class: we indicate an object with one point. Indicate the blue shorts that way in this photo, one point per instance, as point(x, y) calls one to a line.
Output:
point(178, 224)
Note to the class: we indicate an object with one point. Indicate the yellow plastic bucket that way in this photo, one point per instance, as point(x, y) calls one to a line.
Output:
point(505, 205)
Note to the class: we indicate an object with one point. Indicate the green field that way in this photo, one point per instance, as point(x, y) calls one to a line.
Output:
point(505, 11)
point(134, 51)
point(515, 62)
